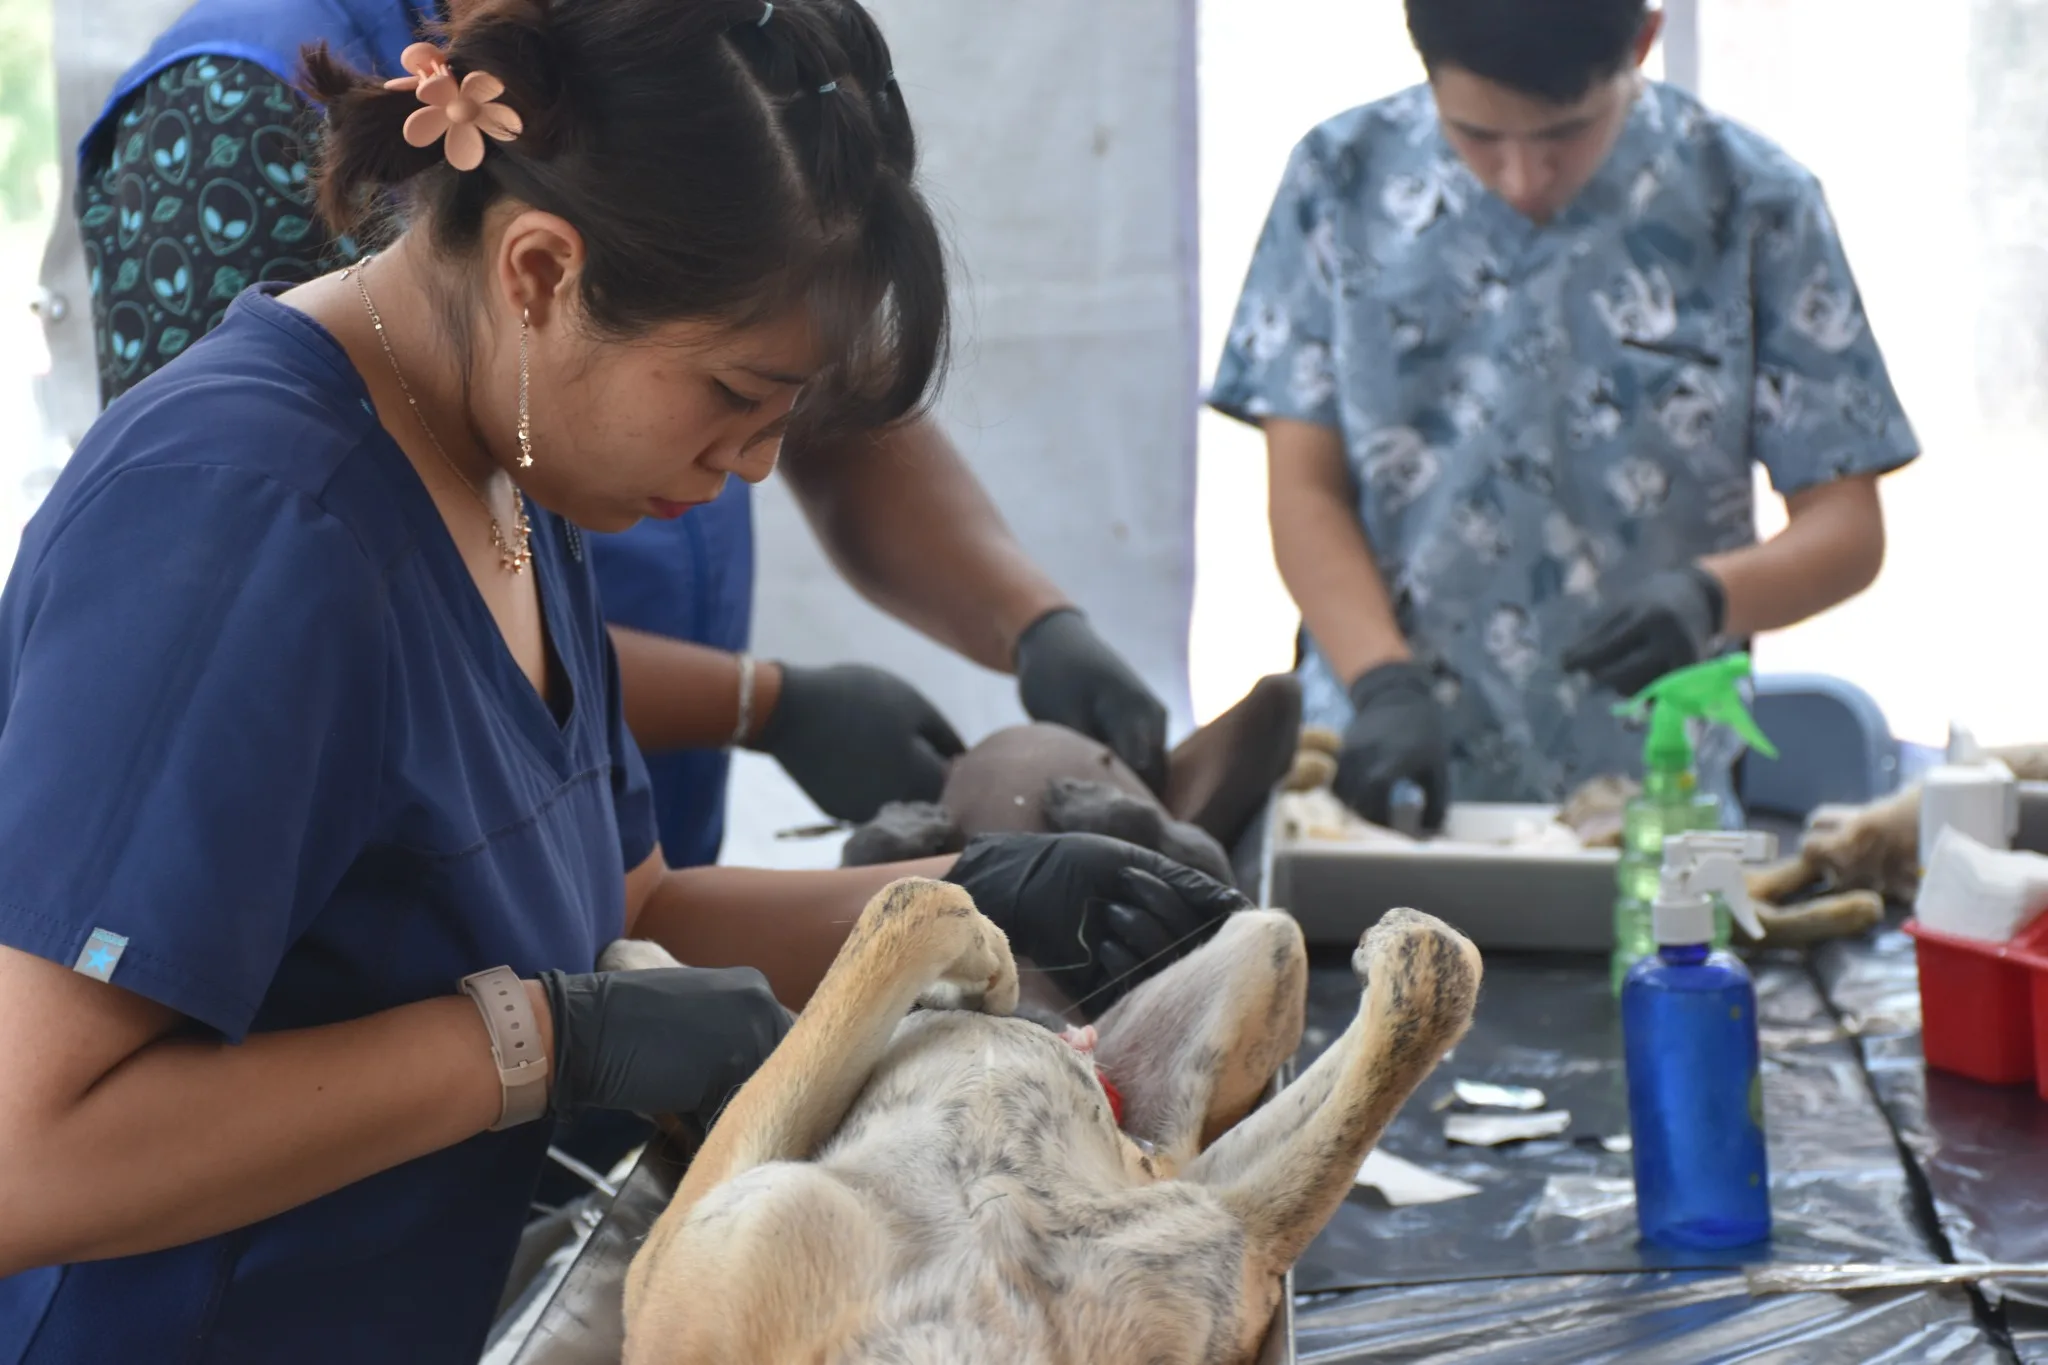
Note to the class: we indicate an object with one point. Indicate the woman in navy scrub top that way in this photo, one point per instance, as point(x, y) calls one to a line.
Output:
point(194, 182)
point(307, 710)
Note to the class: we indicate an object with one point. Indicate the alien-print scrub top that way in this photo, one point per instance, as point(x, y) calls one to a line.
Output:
point(266, 759)
point(1537, 418)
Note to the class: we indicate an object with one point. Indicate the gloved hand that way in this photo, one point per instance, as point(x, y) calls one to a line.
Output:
point(1665, 623)
point(1094, 913)
point(856, 738)
point(1068, 675)
point(669, 1040)
point(1396, 731)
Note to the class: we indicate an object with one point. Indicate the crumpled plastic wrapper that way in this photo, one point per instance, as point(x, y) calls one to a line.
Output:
point(1402, 1183)
point(1486, 1095)
point(1491, 1130)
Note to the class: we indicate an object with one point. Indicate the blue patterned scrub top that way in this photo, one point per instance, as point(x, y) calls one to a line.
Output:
point(1536, 417)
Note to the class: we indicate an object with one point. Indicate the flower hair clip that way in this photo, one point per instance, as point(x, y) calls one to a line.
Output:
point(460, 114)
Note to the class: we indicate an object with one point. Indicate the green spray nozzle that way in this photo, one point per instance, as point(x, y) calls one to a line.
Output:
point(1707, 690)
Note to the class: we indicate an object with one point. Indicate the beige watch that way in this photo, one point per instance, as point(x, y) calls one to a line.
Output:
point(515, 1045)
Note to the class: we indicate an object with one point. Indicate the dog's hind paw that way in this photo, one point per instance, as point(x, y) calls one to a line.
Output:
point(1420, 968)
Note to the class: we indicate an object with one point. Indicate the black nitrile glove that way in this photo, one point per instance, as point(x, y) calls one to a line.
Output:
point(1668, 622)
point(669, 1040)
point(1396, 732)
point(1067, 675)
point(1095, 914)
point(856, 738)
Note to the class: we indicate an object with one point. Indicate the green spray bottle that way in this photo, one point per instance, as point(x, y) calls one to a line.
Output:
point(1671, 801)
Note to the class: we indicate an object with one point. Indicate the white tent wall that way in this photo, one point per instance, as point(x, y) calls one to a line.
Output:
point(1058, 140)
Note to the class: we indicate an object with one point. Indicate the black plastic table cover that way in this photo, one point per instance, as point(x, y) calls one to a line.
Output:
point(1981, 1150)
point(1669, 1318)
point(1544, 1264)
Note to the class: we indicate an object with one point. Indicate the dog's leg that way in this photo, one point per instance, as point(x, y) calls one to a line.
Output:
point(914, 935)
point(2029, 762)
point(1874, 848)
point(1193, 1048)
point(1778, 883)
point(1284, 1170)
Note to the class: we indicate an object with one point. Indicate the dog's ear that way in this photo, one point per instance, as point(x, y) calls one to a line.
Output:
point(1192, 1049)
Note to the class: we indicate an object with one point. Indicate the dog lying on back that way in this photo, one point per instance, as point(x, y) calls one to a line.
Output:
point(944, 1185)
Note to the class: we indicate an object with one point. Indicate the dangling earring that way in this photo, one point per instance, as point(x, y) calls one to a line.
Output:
point(525, 421)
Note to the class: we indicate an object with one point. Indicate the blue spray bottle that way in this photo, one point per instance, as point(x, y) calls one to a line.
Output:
point(1689, 1032)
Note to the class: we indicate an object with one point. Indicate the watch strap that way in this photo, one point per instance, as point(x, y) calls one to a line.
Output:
point(515, 1044)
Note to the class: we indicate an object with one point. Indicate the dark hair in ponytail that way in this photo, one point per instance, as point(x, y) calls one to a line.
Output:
point(718, 168)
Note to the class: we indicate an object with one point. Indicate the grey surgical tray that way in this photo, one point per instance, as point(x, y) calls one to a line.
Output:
point(1524, 899)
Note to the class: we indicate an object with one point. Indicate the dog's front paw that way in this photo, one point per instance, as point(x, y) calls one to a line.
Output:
point(983, 976)
point(634, 955)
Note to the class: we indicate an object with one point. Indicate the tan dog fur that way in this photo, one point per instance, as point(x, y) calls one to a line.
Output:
point(948, 1185)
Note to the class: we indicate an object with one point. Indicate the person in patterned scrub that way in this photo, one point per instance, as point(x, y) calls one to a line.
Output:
point(1516, 338)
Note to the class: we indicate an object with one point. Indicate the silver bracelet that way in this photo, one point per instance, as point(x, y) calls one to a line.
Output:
point(741, 731)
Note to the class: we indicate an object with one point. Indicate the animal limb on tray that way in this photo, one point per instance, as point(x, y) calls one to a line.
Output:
point(1876, 847)
point(1842, 914)
point(1595, 810)
point(879, 1189)
point(1593, 814)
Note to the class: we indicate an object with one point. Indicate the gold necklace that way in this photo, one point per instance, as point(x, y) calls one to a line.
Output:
point(515, 552)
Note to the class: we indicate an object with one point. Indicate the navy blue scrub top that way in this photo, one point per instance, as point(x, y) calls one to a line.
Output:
point(265, 758)
point(689, 579)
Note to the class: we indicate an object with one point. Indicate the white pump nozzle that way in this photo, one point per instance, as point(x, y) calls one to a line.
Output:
point(1699, 865)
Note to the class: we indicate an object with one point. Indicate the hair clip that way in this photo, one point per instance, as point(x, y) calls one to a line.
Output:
point(828, 87)
point(767, 13)
point(460, 114)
